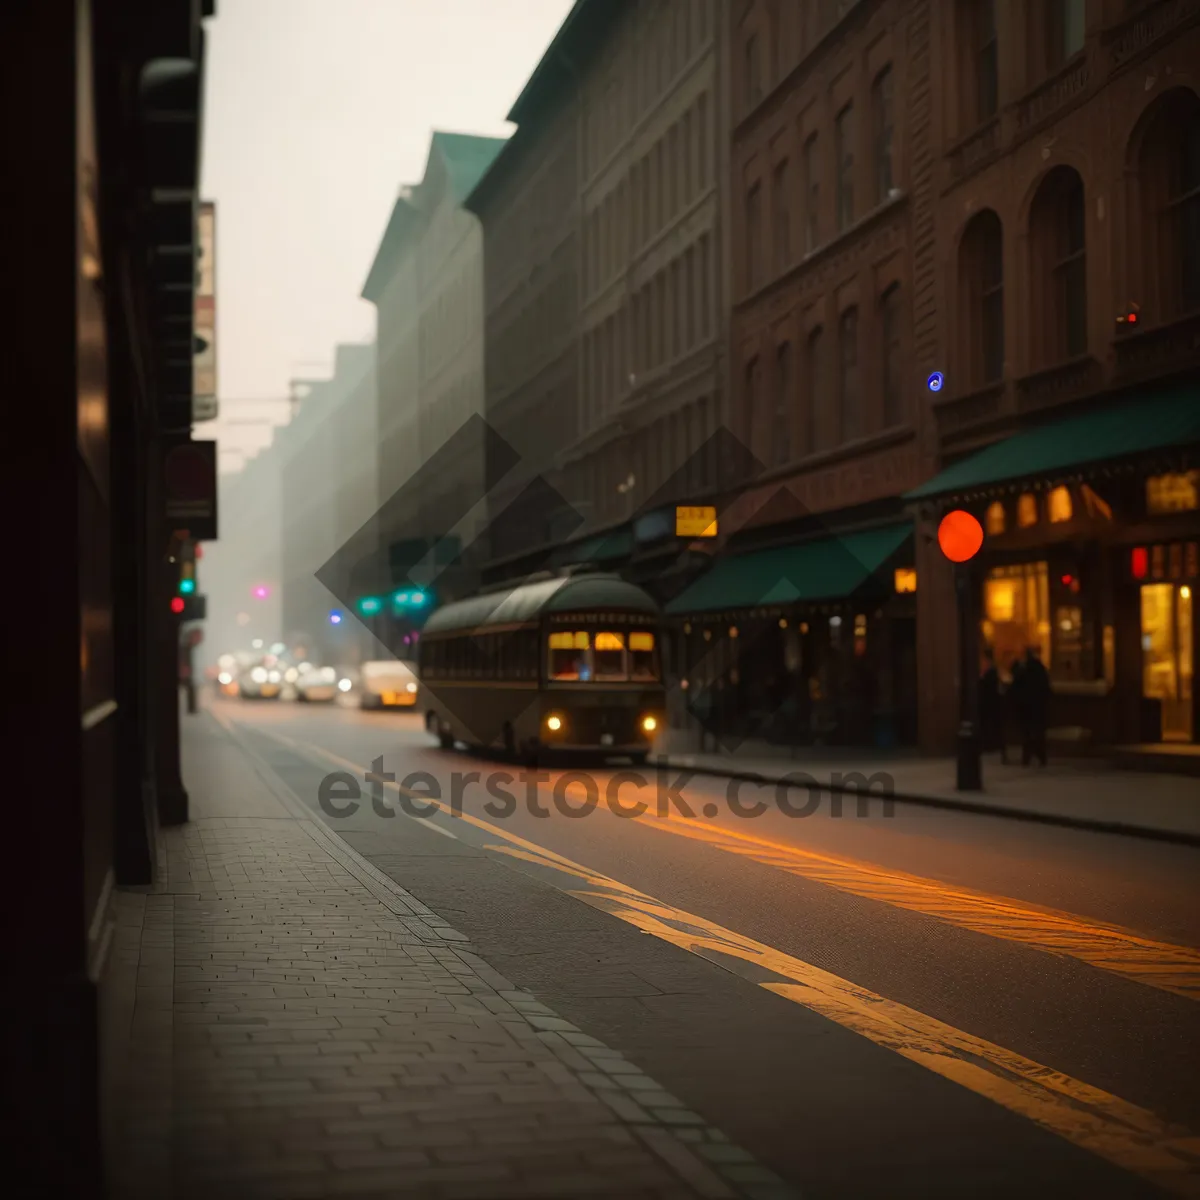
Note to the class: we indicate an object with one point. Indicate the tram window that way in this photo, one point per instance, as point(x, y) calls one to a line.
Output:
point(569, 655)
point(609, 657)
point(641, 656)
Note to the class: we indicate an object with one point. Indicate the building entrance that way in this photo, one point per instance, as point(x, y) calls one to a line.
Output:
point(1167, 660)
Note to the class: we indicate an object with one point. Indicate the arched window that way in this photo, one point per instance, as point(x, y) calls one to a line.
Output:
point(893, 370)
point(1168, 168)
point(981, 283)
point(882, 119)
point(849, 389)
point(781, 434)
point(996, 519)
point(1058, 260)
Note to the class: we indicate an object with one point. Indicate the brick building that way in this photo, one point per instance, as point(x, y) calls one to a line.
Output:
point(832, 323)
point(1068, 215)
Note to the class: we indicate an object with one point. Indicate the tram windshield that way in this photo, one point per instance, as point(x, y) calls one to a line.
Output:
point(603, 656)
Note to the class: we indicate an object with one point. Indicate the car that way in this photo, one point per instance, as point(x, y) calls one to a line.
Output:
point(260, 683)
point(317, 684)
point(388, 684)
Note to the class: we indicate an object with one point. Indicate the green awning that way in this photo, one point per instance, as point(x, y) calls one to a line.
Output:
point(824, 569)
point(1136, 427)
point(607, 547)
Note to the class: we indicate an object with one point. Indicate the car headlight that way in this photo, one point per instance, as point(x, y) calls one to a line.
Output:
point(274, 677)
point(344, 685)
point(412, 687)
point(649, 724)
point(554, 723)
point(258, 675)
point(291, 675)
point(224, 678)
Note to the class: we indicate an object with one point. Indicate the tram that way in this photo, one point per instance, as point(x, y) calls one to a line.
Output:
point(567, 663)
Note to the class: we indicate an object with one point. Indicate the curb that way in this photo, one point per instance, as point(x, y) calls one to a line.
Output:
point(1093, 825)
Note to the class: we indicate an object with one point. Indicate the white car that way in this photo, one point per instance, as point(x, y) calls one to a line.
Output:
point(391, 684)
point(260, 683)
point(317, 684)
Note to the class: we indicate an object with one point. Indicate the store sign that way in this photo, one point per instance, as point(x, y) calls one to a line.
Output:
point(204, 388)
point(190, 487)
point(696, 521)
point(1169, 561)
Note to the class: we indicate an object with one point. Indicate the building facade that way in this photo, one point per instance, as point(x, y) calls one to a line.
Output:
point(427, 285)
point(799, 632)
point(606, 279)
point(1068, 218)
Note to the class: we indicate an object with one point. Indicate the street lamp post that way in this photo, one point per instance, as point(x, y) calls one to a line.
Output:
point(960, 537)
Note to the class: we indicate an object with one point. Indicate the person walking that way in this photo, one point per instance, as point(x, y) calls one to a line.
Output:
point(991, 709)
point(1035, 688)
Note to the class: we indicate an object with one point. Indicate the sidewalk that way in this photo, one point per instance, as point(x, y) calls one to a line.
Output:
point(290, 1023)
point(1072, 792)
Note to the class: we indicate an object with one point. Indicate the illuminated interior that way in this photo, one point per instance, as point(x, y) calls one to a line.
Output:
point(1027, 510)
point(1173, 493)
point(995, 520)
point(606, 656)
point(569, 655)
point(906, 580)
point(1058, 505)
point(1167, 655)
point(1017, 612)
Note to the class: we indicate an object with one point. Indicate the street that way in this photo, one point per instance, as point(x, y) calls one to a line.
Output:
point(914, 1003)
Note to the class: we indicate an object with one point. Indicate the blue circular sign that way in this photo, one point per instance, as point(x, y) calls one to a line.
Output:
point(935, 381)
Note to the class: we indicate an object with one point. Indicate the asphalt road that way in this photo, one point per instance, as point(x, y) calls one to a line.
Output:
point(916, 1003)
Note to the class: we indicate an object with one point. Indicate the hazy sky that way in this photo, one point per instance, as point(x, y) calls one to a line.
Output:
point(316, 112)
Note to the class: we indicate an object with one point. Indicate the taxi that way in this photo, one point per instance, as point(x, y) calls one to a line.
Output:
point(390, 684)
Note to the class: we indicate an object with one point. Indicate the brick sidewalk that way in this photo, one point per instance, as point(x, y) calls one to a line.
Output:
point(295, 1025)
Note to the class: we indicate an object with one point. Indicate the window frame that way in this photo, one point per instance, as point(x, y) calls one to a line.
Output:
point(843, 128)
point(883, 133)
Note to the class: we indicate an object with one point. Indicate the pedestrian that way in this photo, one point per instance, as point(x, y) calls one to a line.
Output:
point(991, 708)
point(1035, 688)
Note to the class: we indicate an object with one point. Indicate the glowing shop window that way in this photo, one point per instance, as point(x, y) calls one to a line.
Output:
point(906, 580)
point(1173, 493)
point(996, 519)
point(1058, 505)
point(1016, 603)
point(1027, 510)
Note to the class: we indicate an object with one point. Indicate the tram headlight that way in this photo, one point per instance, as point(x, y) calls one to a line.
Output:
point(554, 723)
point(649, 724)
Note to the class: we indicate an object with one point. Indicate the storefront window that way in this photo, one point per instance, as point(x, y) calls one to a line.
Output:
point(1058, 505)
point(1167, 655)
point(1017, 612)
point(995, 520)
point(1173, 493)
point(1027, 510)
point(905, 580)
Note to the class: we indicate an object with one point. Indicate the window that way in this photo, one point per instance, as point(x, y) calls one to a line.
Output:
point(753, 411)
point(881, 114)
point(754, 237)
point(987, 75)
point(849, 396)
point(643, 657)
point(781, 435)
point(893, 370)
point(812, 195)
point(609, 656)
point(1027, 511)
point(752, 76)
point(982, 271)
point(569, 655)
point(1017, 612)
point(1058, 307)
point(1173, 493)
point(844, 148)
point(1063, 30)
point(996, 519)
point(1058, 505)
point(782, 203)
point(814, 369)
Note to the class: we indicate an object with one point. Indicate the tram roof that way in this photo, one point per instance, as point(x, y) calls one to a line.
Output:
point(526, 602)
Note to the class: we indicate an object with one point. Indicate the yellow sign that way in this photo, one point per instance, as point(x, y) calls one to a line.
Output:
point(698, 522)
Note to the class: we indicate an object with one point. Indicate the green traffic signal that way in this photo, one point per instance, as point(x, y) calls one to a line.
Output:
point(187, 587)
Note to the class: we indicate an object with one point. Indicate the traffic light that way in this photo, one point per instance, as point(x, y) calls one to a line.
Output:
point(189, 608)
point(187, 578)
point(409, 598)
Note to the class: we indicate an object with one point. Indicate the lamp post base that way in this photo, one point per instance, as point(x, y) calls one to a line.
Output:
point(969, 774)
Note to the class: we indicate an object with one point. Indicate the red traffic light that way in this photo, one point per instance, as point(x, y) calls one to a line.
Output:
point(960, 536)
point(177, 604)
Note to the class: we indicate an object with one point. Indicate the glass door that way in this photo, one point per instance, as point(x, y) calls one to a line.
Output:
point(1167, 656)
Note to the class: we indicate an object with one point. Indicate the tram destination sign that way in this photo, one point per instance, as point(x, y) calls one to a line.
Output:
point(696, 521)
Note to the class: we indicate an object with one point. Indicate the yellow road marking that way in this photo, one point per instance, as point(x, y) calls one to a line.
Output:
point(1130, 1137)
point(1162, 965)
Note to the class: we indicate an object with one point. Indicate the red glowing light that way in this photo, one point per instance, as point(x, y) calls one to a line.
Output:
point(1132, 318)
point(1139, 562)
point(960, 536)
point(177, 604)
point(1066, 580)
